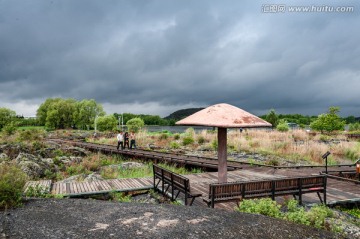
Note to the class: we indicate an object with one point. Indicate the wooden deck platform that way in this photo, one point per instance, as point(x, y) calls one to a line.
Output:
point(92, 188)
point(337, 190)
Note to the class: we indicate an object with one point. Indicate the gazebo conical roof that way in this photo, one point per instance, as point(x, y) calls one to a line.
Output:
point(224, 116)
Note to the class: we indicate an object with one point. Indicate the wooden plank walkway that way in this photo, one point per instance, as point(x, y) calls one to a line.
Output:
point(337, 190)
point(43, 185)
point(94, 187)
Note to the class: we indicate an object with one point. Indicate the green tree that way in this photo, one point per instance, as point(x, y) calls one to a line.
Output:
point(6, 116)
point(135, 124)
point(60, 114)
point(107, 122)
point(85, 113)
point(329, 122)
point(272, 118)
point(282, 125)
point(42, 111)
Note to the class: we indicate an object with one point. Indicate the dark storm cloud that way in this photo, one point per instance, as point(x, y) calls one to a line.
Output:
point(176, 53)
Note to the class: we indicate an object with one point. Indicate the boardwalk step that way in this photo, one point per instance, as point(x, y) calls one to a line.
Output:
point(43, 186)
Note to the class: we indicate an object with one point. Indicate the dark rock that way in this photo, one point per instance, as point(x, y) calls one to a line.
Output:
point(34, 166)
point(79, 218)
point(76, 151)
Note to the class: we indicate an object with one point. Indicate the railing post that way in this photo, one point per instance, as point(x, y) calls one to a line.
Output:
point(154, 176)
point(172, 187)
point(273, 190)
point(212, 196)
point(186, 191)
point(243, 191)
point(325, 182)
point(162, 181)
point(300, 190)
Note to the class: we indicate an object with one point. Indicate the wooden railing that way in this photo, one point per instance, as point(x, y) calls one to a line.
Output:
point(168, 182)
point(236, 191)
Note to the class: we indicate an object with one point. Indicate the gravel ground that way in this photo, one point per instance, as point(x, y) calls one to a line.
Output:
point(85, 218)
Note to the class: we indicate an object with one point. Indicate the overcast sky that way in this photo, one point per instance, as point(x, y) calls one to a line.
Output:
point(155, 57)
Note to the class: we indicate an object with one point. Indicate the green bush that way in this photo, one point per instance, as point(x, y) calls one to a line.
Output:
point(174, 145)
point(272, 162)
point(188, 140)
point(264, 206)
point(201, 139)
point(314, 217)
point(135, 124)
point(214, 145)
point(31, 135)
point(177, 136)
point(354, 127)
point(9, 129)
point(163, 136)
point(120, 197)
point(317, 215)
point(282, 126)
point(12, 181)
point(295, 213)
point(38, 192)
point(190, 131)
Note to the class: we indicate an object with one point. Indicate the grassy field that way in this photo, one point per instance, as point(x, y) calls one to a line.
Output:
point(30, 127)
point(297, 146)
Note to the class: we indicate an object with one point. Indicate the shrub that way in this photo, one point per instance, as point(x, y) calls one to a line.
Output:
point(163, 136)
point(214, 145)
point(190, 131)
point(135, 124)
point(188, 140)
point(264, 206)
point(314, 217)
point(107, 122)
point(12, 181)
point(201, 139)
point(174, 145)
point(282, 126)
point(9, 129)
point(317, 215)
point(120, 197)
point(354, 127)
point(272, 162)
point(38, 192)
point(177, 136)
point(295, 213)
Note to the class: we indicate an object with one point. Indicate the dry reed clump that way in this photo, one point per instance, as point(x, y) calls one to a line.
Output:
point(92, 163)
point(300, 135)
point(294, 145)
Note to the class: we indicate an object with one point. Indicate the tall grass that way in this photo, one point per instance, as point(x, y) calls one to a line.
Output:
point(295, 145)
point(12, 181)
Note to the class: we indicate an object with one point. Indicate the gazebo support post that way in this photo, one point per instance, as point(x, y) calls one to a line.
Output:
point(222, 155)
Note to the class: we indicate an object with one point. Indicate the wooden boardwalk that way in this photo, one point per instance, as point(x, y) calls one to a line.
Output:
point(337, 190)
point(73, 189)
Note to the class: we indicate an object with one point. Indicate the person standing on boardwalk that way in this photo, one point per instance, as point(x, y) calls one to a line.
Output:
point(126, 140)
point(120, 139)
point(132, 140)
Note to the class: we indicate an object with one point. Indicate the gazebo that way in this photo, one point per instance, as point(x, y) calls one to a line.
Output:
point(223, 116)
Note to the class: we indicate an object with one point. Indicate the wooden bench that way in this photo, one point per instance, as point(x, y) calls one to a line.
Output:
point(168, 182)
point(236, 191)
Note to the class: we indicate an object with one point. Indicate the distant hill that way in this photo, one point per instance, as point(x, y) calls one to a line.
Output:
point(180, 114)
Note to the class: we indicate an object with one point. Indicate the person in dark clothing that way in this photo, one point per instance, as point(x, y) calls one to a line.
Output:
point(126, 139)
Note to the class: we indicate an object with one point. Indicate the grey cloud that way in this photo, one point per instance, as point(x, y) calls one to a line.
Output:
point(180, 52)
